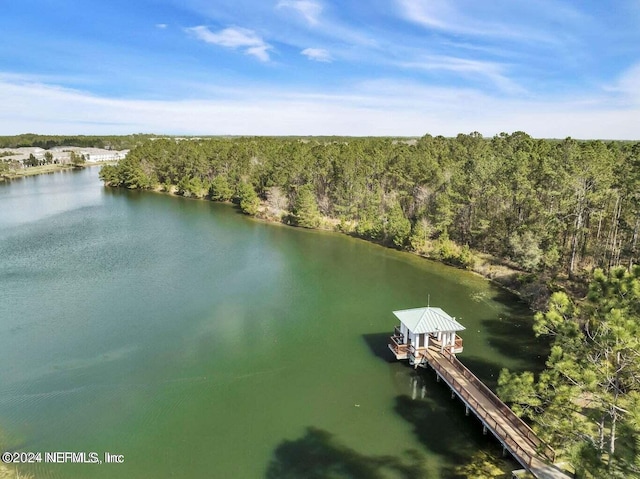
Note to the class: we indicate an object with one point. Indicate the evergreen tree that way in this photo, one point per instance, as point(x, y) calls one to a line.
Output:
point(248, 199)
point(305, 209)
point(220, 189)
point(398, 226)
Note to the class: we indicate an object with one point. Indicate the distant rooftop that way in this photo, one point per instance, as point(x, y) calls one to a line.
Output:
point(427, 320)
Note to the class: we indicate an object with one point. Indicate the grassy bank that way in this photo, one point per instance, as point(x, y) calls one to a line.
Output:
point(46, 169)
point(34, 170)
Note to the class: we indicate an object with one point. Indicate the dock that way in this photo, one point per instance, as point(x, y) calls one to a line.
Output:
point(438, 352)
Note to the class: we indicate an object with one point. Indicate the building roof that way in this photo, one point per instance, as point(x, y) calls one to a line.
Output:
point(427, 320)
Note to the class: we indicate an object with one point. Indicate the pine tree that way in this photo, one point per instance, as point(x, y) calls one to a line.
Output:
point(587, 401)
point(248, 199)
point(219, 190)
point(305, 209)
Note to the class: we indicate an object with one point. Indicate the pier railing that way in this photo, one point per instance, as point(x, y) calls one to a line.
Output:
point(396, 345)
point(448, 348)
point(484, 415)
point(397, 332)
point(506, 411)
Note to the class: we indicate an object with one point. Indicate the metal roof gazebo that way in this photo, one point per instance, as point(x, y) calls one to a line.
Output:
point(423, 327)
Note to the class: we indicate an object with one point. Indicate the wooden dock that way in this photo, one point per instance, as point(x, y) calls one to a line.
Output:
point(513, 433)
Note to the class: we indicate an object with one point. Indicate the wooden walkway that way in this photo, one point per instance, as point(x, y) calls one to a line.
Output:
point(513, 433)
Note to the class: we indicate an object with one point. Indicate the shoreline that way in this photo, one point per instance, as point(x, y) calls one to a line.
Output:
point(527, 286)
point(46, 170)
point(33, 171)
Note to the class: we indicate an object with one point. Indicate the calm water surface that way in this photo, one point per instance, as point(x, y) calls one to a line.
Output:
point(200, 343)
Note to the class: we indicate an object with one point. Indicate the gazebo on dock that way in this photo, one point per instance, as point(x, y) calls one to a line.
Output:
point(423, 327)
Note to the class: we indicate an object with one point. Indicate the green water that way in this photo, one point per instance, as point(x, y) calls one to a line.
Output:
point(199, 343)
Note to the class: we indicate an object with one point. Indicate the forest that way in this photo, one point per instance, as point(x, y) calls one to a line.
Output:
point(561, 215)
point(549, 207)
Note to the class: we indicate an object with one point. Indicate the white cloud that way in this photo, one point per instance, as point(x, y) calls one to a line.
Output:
point(505, 19)
point(310, 10)
point(161, 26)
point(260, 52)
point(627, 85)
point(317, 54)
point(234, 37)
point(437, 15)
point(386, 107)
point(494, 72)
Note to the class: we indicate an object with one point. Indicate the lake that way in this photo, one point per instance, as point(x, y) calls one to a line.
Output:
point(197, 342)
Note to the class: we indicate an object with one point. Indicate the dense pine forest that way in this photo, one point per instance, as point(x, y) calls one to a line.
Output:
point(549, 207)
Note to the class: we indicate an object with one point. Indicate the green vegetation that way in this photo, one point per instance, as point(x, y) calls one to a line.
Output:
point(546, 207)
point(9, 173)
point(77, 159)
point(587, 402)
point(305, 208)
point(481, 466)
point(49, 141)
point(220, 189)
point(248, 199)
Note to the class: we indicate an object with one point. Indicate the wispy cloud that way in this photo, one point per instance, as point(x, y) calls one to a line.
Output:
point(317, 54)
point(494, 72)
point(234, 37)
point(437, 14)
point(504, 19)
point(161, 26)
point(309, 9)
point(626, 86)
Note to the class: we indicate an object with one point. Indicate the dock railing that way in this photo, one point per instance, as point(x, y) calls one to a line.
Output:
point(484, 415)
point(448, 348)
point(397, 332)
point(506, 411)
point(396, 345)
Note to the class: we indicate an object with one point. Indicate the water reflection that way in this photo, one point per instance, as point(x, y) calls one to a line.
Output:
point(418, 387)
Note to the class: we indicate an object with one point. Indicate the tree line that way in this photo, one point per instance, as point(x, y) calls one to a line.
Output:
point(548, 206)
point(113, 142)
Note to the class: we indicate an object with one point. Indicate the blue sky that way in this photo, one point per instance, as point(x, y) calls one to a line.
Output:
point(551, 68)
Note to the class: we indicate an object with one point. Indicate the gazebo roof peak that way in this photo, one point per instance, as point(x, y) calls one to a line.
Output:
point(427, 320)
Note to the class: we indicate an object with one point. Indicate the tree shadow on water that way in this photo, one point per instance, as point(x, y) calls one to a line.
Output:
point(440, 429)
point(317, 455)
point(509, 333)
point(440, 423)
point(514, 337)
